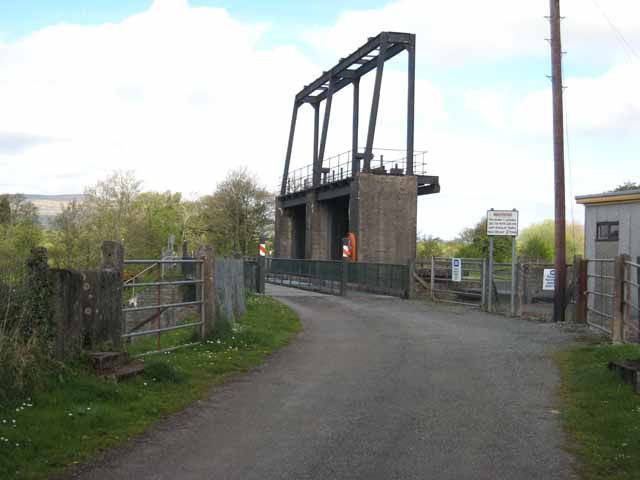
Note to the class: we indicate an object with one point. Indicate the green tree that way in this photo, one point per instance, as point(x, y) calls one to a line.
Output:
point(430, 246)
point(19, 228)
point(237, 214)
point(628, 185)
point(473, 242)
point(537, 241)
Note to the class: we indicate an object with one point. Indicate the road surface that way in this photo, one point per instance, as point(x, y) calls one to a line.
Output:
point(373, 388)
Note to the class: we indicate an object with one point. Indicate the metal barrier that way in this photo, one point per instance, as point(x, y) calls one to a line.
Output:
point(159, 307)
point(435, 276)
point(600, 294)
point(316, 275)
point(335, 277)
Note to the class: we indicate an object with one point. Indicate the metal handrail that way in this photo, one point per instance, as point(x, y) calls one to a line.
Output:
point(160, 330)
point(153, 284)
point(599, 294)
point(602, 314)
point(599, 327)
point(126, 282)
point(632, 264)
point(609, 277)
point(165, 305)
point(175, 260)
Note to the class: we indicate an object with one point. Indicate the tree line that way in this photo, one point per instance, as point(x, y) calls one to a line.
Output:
point(232, 219)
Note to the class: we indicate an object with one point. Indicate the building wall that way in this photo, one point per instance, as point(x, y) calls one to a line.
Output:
point(317, 229)
point(628, 216)
point(383, 216)
point(283, 233)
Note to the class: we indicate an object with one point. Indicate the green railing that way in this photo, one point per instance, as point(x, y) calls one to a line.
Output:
point(337, 277)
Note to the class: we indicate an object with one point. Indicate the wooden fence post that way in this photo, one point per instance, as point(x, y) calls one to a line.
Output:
point(433, 277)
point(208, 295)
point(261, 273)
point(617, 322)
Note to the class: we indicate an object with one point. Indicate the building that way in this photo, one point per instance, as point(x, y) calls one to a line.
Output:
point(612, 228)
point(612, 224)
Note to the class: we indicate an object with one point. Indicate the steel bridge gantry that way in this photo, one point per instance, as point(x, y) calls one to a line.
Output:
point(372, 55)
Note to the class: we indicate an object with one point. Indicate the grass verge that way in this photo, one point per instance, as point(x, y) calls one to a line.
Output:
point(600, 413)
point(76, 415)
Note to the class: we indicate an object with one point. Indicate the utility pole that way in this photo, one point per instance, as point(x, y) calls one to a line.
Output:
point(559, 300)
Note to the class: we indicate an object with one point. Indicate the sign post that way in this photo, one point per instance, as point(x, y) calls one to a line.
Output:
point(503, 223)
point(456, 270)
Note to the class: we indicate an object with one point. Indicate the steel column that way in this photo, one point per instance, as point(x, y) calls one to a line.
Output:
point(323, 141)
point(287, 161)
point(411, 94)
point(316, 131)
point(355, 161)
point(368, 152)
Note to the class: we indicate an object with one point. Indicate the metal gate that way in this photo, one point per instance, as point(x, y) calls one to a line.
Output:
point(600, 293)
point(161, 288)
point(435, 275)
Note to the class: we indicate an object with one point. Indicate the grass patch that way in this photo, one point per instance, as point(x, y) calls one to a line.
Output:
point(76, 415)
point(600, 413)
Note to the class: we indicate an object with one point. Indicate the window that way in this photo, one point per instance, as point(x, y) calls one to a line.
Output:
point(607, 231)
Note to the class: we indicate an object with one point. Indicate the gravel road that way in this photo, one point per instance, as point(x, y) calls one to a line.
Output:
point(373, 388)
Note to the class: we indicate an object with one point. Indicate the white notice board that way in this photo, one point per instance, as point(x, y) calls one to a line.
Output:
point(502, 223)
point(549, 279)
point(456, 269)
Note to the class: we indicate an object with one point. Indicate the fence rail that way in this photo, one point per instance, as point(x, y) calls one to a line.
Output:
point(335, 277)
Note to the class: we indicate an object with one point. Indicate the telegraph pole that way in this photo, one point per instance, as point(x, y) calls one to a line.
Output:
point(559, 300)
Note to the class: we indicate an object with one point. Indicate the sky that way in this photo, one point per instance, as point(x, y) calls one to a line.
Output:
point(181, 92)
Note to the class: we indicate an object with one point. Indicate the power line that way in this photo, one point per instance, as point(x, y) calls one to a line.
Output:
point(621, 36)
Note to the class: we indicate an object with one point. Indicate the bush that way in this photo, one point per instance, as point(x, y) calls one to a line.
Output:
point(22, 368)
point(163, 372)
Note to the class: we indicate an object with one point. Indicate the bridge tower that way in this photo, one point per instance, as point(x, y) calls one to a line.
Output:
point(367, 191)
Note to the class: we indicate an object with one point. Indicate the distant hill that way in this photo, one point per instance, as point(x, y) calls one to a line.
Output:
point(51, 205)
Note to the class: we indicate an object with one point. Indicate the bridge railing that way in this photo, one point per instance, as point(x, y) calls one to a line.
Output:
point(336, 277)
point(339, 168)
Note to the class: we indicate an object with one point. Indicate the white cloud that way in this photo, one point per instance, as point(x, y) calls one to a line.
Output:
point(182, 94)
point(461, 31)
point(179, 94)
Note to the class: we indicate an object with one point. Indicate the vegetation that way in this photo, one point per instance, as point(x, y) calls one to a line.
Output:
point(231, 219)
point(116, 208)
point(628, 185)
point(19, 229)
point(537, 241)
point(472, 242)
point(75, 415)
point(600, 413)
